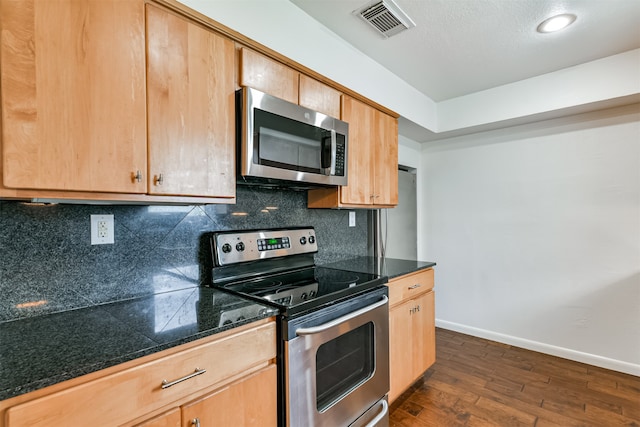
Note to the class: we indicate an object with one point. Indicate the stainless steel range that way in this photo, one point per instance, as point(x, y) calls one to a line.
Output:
point(334, 325)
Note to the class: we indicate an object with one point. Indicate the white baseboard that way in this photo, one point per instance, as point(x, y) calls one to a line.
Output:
point(566, 353)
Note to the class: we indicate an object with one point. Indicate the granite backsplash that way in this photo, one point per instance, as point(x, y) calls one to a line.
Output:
point(48, 265)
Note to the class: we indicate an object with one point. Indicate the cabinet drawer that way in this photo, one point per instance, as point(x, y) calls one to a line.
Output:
point(133, 392)
point(410, 285)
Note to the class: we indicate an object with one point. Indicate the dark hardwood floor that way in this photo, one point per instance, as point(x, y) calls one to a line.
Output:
point(476, 382)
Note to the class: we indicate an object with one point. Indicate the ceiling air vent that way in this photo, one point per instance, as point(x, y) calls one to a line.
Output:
point(386, 17)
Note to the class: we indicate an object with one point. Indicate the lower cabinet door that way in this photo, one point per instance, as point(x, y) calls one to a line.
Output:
point(411, 341)
point(249, 402)
point(168, 419)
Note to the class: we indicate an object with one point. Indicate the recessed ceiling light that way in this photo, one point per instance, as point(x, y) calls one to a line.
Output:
point(556, 23)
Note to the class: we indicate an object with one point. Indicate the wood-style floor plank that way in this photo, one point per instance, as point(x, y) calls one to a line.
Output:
point(476, 382)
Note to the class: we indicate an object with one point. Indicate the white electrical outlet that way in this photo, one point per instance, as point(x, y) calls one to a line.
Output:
point(352, 219)
point(102, 230)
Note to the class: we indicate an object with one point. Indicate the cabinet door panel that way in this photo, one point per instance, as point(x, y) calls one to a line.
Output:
point(191, 108)
point(268, 76)
point(411, 342)
point(385, 160)
point(168, 419)
point(423, 325)
point(73, 95)
point(360, 118)
point(319, 97)
point(400, 342)
point(250, 402)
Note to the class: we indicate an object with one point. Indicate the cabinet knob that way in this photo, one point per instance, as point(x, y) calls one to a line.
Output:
point(195, 422)
point(158, 180)
point(137, 176)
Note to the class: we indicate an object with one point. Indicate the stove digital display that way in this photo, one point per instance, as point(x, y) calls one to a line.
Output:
point(273, 243)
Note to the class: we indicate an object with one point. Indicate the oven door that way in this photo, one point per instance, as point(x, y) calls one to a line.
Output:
point(337, 362)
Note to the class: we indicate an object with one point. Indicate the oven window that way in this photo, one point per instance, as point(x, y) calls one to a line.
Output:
point(342, 364)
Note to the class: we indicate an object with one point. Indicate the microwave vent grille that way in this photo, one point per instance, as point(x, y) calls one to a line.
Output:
point(386, 17)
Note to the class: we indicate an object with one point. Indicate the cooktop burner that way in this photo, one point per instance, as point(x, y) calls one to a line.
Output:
point(311, 286)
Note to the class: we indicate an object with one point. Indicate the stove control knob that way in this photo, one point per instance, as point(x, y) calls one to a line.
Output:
point(303, 297)
point(303, 240)
point(240, 247)
point(312, 239)
point(226, 248)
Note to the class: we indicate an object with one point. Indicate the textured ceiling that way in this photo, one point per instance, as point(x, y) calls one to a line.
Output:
point(464, 46)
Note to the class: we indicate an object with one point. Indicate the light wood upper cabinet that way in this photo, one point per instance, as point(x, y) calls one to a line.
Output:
point(385, 160)
point(319, 97)
point(359, 168)
point(73, 95)
point(276, 79)
point(190, 109)
point(372, 161)
point(412, 346)
point(268, 76)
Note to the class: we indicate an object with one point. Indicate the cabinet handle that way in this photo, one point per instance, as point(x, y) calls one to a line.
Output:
point(138, 176)
point(195, 422)
point(158, 180)
point(167, 384)
point(417, 285)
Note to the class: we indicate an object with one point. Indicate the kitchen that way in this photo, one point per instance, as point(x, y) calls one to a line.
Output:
point(48, 249)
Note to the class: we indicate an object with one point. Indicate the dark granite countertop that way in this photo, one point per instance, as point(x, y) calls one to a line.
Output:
point(41, 351)
point(390, 267)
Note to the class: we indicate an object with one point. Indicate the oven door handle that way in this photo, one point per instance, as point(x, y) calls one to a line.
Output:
point(339, 320)
point(381, 415)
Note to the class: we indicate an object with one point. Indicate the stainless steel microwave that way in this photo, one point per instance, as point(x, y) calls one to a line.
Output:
point(284, 144)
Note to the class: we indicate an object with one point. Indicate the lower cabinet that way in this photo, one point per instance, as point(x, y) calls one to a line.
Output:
point(249, 402)
point(228, 379)
point(411, 329)
point(259, 404)
point(168, 419)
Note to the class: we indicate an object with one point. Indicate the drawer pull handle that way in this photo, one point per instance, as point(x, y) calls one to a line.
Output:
point(417, 285)
point(167, 384)
point(195, 422)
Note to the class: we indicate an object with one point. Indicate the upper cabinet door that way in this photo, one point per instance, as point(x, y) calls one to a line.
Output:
point(385, 160)
point(73, 95)
point(361, 120)
point(319, 97)
point(268, 76)
point(190, 109)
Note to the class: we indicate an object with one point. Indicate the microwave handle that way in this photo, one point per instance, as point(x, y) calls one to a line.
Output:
point(334, 149)
point(321, 328)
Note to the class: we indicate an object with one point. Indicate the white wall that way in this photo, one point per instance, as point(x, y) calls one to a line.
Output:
point(536, 232)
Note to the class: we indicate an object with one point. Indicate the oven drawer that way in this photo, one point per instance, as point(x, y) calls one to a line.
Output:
point(125, 395)
point(410, 285)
